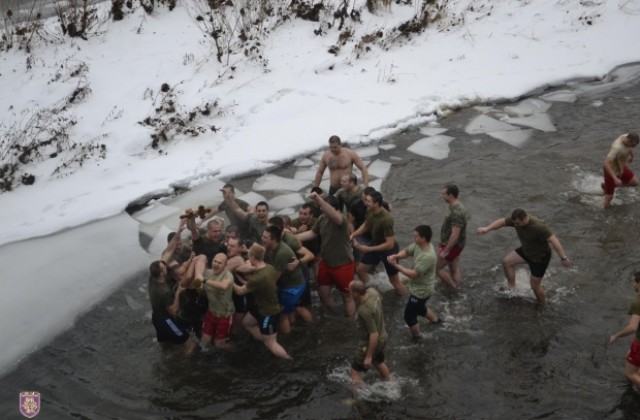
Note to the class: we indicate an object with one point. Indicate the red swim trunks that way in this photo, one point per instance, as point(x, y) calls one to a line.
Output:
point(339, 276)
point(219, 327)
point(453, 253)
point(633, 356)
point(610, 183)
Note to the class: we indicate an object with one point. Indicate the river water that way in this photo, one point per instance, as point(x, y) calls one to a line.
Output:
point(494, 357)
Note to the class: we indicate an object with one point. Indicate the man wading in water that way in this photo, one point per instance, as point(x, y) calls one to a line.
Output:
point(340, 161)
point(616, 172)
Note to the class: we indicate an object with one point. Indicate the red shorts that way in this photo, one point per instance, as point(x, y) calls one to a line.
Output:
point(610, 184)
point(453, 253)
point(339, 276)
point(219, 327)
point(633, 356)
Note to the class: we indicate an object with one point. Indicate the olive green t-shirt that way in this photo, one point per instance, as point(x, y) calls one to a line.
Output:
point(424, 263)
point(534, 237)
point(347, 198)
point(293, 242)
point(380, 225)
point(370, 319)
point(335, 247)
point(231, 215)
point(635, 310)
point(456, 217)
point(257, 227)
point(263, 285)
point(220, 301)
point(279, 258)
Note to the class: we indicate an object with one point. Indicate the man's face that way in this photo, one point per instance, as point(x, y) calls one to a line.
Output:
point(345, 182)
point(416, 237)
point(218, 263)
point(304, 215)
point(446, 196)
point(233, 248)
point(628, 142)
point(266, 240)
point(262, 212)
point(214, 231)
point(520, 223)
point(368, 202)
point(334, 148)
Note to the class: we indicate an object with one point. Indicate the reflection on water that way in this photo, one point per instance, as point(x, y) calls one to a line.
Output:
point(496, 355)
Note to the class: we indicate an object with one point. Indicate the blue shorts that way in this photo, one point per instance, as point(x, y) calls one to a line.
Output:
point(167, 329)
point(289, 296)
point(373, 258)
point(268, 324)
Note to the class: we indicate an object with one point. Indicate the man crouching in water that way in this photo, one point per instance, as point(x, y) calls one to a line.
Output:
point(262, 319)
point(165, 304)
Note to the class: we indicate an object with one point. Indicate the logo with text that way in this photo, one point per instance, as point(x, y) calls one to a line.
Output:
point(29, 404)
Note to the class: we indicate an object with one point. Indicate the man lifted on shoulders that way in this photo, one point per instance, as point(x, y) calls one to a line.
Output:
point(340, 161)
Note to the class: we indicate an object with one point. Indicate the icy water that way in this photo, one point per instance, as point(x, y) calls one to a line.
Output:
point(495, 357)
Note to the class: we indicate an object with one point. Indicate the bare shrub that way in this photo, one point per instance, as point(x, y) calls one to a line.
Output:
point(38, 134)
point(77, 18)
point(20, 24)
point(171, 119)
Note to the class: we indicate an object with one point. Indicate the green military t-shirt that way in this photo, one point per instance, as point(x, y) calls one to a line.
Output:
point(456, 217)
point(293, 242)
point(424, 263)
point(347, 198)
point(635, 310)
point(534, 238)
point(263, 285)
point(380, 225)
point(279, 258)
point(220, 301)
point(335, 247)
point(231, 215)
point(370, 319)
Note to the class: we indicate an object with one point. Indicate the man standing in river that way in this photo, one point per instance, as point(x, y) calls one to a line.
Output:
point(340, 161)
point(616, 172)
point(453, 235)
point(535, 238)
point(372, 335)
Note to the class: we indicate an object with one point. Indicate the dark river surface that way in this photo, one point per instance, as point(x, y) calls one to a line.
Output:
point(494, 357)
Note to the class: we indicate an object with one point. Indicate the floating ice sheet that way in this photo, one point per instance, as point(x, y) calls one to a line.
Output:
point(540, 122)
point(251, 197)
point(155, 213)
point(560, 96)
point(483, 108)
point(286, 200)
point(379, 168)
point(387, 146)
point(432, 131)
point(303, 162)
point(287, 211)
point(514, 138)
point(597, 103)
point(376, 183)
point(368, 151)
point(484, 124)
point(528, 106)
point(271, 182)
point(307, 174)
point(435, 147)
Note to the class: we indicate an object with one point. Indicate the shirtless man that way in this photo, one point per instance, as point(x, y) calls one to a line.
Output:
point(340, 162)
point(616, 172)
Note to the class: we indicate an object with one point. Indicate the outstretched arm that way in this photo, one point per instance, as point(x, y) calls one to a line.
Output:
point(332, 214)
point(631, 327)
point(230, 199)
point(173, 243)
point(495, 225)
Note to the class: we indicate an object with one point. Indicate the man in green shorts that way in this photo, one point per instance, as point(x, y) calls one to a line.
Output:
point(535, 238)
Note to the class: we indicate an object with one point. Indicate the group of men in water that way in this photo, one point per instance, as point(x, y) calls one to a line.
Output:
point(257, 272)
